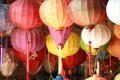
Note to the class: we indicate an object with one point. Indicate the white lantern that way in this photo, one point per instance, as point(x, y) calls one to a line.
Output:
point(113, 11)
point(99, 35)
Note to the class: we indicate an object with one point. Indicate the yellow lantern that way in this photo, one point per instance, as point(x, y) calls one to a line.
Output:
point(117, 77)
point(71, 46)
point(54, 13)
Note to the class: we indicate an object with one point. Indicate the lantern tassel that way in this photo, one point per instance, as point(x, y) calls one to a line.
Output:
point(60, 61)
point(28, 78)
point(97, 66)
point(6, 44)
point(1, 50)
point(90, 58)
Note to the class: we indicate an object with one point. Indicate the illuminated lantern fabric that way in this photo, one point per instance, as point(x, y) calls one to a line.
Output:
point(5, 22)
point(85, 47)
point(74, 60)
point(117, 31)
point(96, 77)
point(114, 47)
point(99, 35)
point(54, 13)
point(60, 38)
point(117, 77)
point(71, 46)
point(87, 12)
point(19, 38)
point(9, 63)
point(113, 11)
point(25, 14)
point(36, 59)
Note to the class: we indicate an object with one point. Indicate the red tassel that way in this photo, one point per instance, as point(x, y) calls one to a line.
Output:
point(49, 57)
point(53, 61)
point(89, 58)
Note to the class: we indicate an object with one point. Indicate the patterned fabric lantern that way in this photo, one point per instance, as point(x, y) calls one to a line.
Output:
point(19, 38)
point(87, 12)
point(96, 77)
point(60, 38)
point(85, 47)
point(9, 65)
point(36, 59)
point(113, 11)
point(71, 46)
point(54, 13)
point(25, 14)
point(117, 77)
point(99, 35)
point(116, 31)
point(113, 48)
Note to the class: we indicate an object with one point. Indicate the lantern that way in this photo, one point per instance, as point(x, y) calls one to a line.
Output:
point(113, 11)
point(116, 31)
point(113, 48)
point(19, 38)
point(96, 77)
point(85, 47)
point(99, 35)
point(9, 65)
point(117, 77)
point(36, 59)
point(25, 14)
point(60, 38)
point(87, 12)
point(54, 13)
point(71, 46)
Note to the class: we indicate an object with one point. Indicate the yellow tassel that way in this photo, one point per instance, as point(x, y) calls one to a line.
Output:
point(60, 61)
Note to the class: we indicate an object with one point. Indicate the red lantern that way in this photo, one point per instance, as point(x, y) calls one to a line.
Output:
point(36, 59)
point(19, 39)
point(88, 12)
point(25, 14)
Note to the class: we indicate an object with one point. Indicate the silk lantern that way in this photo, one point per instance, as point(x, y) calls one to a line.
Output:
point(87, 12)
point(116, 31)
point(85, 47)
point(25, 14)
point(60, 38)
point(36, 59)
point(117, 77)
point(54, 13)
point(113, 48)
point(113, 11)
point(71, 46)
point(19, 37)
point(5, 23)
point(9, 65)
point(96, 77)
point(99, 35)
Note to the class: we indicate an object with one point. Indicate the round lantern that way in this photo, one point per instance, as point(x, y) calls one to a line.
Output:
point(71, 46)
point(96, 77)
point(36, 59)
point(19, 39)
point(9, 63)
point(113, 48)
point(25, 14)
point(117, 77)
point(54, 13)
point(113, 11)
point(99, 35)
point(74, 60)
point(87, 12)
point(85, 47)
point(116, 31)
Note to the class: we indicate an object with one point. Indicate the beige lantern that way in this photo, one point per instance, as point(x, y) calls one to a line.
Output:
point(9, 64)
point(99, 35)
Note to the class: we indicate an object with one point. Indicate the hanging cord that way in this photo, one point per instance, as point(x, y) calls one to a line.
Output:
point(51, 77)
point(103, 3)
point(2, 48)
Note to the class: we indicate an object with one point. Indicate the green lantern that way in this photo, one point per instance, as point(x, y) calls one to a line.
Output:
point(85, 47)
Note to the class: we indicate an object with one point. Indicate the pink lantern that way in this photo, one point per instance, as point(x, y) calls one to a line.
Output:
point(35, 37)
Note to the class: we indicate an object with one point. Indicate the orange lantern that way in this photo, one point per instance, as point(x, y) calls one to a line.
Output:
point(114, 47)
point(54, 13)
point(117, 31)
